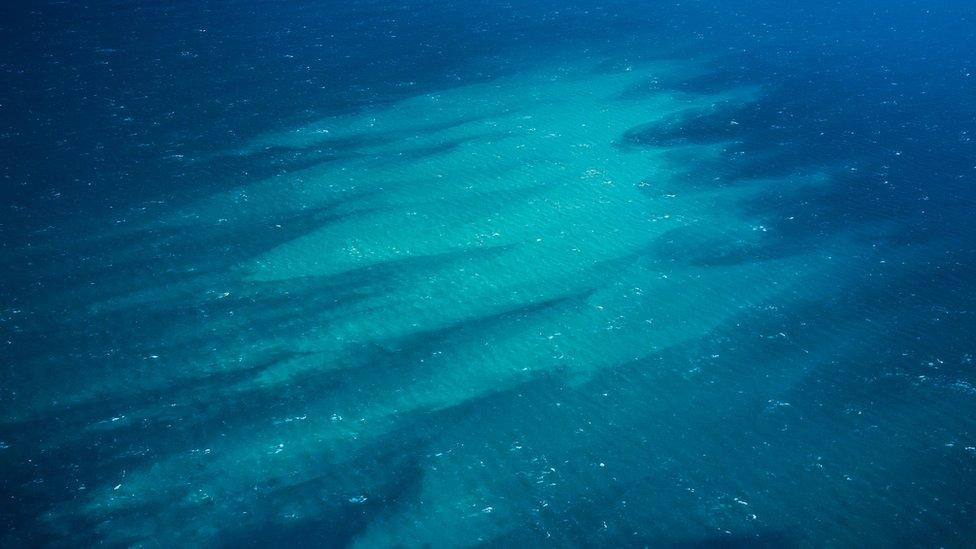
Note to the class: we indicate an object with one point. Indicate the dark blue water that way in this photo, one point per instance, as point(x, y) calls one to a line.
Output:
point(251, 294)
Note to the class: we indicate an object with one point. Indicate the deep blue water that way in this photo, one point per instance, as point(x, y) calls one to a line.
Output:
point(213, 335)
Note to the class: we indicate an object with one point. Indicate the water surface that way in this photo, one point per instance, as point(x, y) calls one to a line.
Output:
point(506, 274)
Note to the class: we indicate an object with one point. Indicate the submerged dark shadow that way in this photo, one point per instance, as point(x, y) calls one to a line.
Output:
point(893, 161)
point(390, 472)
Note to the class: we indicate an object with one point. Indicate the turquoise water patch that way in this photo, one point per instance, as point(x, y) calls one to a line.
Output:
point(524, 243)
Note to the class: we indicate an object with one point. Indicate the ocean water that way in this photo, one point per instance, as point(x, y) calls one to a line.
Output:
point(434, 274)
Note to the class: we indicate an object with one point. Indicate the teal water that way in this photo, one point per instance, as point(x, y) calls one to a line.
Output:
point(419, 274)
